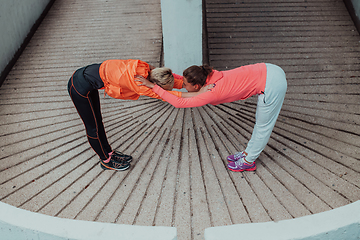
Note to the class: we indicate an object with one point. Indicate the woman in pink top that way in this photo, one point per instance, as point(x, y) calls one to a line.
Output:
point(268, 81)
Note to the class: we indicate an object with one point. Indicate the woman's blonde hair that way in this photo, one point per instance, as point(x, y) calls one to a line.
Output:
point(162, 77)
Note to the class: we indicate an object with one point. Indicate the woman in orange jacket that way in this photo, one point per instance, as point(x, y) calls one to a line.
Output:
point(117, 78)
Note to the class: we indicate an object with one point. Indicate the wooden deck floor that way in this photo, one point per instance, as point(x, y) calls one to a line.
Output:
point(179, 176)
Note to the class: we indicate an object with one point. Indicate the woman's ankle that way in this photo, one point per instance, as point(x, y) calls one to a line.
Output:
point(107, 160)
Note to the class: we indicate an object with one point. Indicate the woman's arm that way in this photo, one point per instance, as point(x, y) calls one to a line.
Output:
point(189, 94)
point(203, 97)
point(144, 81)
point(147, 83)
point(145, 91)
point(199, 100)
point(202, 90)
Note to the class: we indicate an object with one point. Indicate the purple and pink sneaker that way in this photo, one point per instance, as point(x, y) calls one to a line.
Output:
point(236, 156)
point(240, 165)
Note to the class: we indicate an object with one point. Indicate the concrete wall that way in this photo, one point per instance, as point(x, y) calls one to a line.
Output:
point(182, 33)
point(17, 17)
point(353, 7)
point(18, 224)
point(356, 6)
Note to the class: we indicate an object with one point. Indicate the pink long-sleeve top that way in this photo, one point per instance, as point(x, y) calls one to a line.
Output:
point(232, 85)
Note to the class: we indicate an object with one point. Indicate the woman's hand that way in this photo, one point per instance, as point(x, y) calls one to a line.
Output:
point(144, 81)
point(207, 88)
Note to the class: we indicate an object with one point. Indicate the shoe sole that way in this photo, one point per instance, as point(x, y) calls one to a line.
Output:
point(249, 169)
point(114, 169)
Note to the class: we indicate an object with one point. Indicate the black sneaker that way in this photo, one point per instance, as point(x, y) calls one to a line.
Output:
point(114, 165)
point(120, 157)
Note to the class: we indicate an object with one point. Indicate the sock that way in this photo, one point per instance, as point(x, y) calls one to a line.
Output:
point(248, 162)
point(108, 160)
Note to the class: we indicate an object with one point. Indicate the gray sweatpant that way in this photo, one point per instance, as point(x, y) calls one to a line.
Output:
point(267, 111)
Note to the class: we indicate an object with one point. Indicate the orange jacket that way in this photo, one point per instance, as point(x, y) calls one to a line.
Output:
point(118, 77)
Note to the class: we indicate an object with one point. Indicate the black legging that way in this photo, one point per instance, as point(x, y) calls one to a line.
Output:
point(86, 99)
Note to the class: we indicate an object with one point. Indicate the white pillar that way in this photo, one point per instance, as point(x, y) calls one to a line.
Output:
point(182, 33)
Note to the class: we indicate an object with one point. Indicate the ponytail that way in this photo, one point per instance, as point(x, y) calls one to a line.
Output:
point(206, 69)
point(197, 74)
